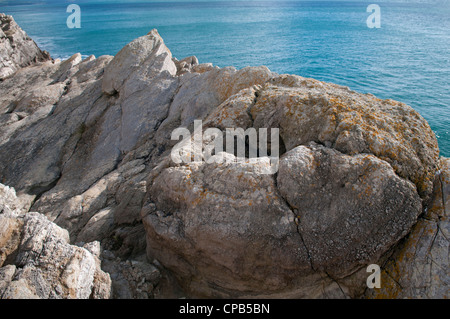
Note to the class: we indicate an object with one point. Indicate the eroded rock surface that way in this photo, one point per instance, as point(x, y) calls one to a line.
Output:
point(17, 49)
point(37, 260)
point(419, 267)
point(87, 144)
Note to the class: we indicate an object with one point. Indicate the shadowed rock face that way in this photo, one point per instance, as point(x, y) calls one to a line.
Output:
point(87, 143)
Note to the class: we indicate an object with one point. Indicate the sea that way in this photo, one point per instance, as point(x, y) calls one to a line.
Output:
point(406, 57)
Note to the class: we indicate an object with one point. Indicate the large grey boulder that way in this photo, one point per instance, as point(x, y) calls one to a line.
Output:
point(225, 228)
point(308, 110)
point(419, 266)
point(350, 209)
point(231, 230)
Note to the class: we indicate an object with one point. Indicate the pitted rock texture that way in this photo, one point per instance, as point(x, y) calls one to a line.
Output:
point(349, 208)
point(87, 143)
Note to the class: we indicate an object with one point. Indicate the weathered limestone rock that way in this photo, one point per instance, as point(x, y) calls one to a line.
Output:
point(87, 143)
point(224, 226)
point(308, 110)
point(202, 67)
point(419, 266)
point(199, 94)
point(185, 65)
point(327, 213)
point(17, 49)
point(56, 127)
point(350, 209)
point(9, 236)
point(40, 261)
point(149, 51)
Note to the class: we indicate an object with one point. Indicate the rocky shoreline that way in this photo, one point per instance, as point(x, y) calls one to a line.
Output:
point(93, 206)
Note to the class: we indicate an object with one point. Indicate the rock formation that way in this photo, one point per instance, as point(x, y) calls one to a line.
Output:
point(86, 144)
point(17, 50)
point(37, 260)
point(419, 267)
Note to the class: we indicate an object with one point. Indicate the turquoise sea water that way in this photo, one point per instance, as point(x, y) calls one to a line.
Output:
point(407, 59)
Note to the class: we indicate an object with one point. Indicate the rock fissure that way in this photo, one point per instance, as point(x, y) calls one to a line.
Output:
point(297, 221)
point(257, 94)
point(344, 295)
